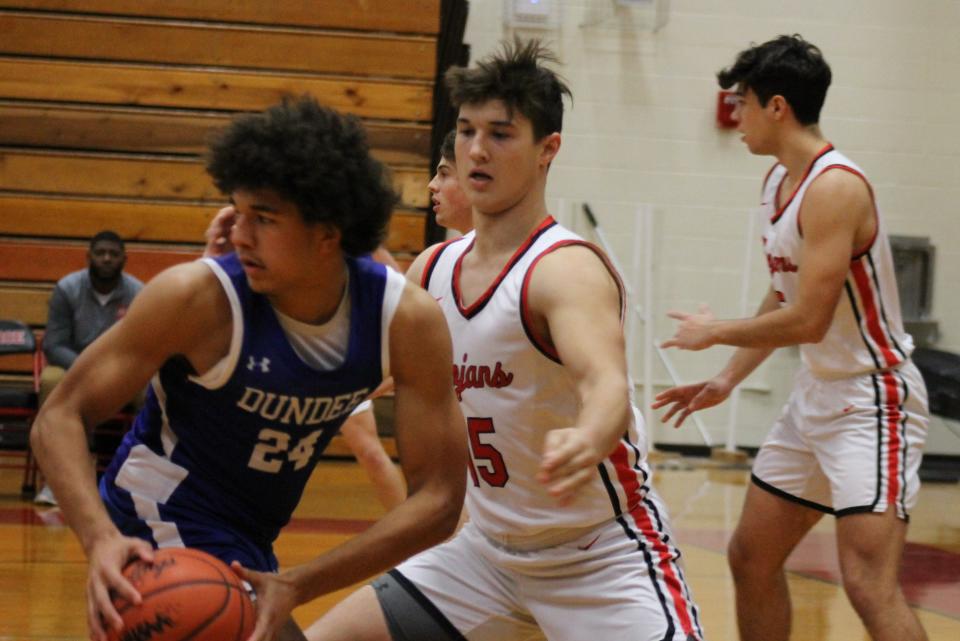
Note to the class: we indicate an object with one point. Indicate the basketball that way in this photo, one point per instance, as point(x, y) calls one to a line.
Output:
point(187, 594)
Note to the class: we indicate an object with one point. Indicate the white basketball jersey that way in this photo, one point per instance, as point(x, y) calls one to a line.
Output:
point(867, 331)
point(513, 390)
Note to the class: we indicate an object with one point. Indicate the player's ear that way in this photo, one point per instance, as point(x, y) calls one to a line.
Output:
point(550, 147)
point(328, 236)
point(778, 107)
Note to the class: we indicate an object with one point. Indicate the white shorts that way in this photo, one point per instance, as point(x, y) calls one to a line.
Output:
point(621, 581)
point(364, 406)
point(850, 445)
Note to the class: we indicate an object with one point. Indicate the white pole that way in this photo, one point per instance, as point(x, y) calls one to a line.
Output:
point(731, 444)
point(646, 218)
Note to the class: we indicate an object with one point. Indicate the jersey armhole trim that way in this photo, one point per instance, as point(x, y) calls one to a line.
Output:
point(218, 375)
point(766, 179)
point(392, 293)
point(860, 253)
point(780, 209)
point(432, 262)
point(539, 342)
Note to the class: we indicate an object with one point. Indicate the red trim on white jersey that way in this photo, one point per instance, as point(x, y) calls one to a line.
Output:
point(766, 178)
point(796, 188)
point(873, 202)
point(540, 342)
point(478, 304)
point(432, 262)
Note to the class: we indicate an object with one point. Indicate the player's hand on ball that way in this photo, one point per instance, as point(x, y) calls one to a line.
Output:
point(108, 556)
point(276, 598)
point(569, 459)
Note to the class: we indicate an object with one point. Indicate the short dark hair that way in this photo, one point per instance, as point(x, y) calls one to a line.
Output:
point(106, 235)
point(517, 76)
point(314, 157)
point(788, 66)
point(448, 147)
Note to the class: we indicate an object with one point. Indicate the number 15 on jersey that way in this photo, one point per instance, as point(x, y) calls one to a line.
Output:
point(486, 462)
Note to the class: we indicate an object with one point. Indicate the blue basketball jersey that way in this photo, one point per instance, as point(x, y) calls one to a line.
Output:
point(219, 461)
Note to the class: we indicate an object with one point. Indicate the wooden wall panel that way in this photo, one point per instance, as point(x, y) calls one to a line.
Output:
point(49, 262)
point(180, 131)
point(33, 215)
point(129, 175)
point(412, 16)
point(81, 218)
point(238, 46)
point(205, 88)
point(27, 304)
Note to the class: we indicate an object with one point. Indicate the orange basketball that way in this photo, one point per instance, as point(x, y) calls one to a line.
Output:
point(187, 594)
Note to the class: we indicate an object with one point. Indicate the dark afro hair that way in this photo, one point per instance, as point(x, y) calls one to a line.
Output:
point(314, 157)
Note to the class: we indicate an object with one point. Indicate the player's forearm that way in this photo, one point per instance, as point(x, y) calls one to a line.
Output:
point(605, 412)
point(786, 326)
point(743, 362)
point(59, 442)
point(426, 518)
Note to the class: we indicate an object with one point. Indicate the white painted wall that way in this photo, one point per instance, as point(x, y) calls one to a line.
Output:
point(641, 131)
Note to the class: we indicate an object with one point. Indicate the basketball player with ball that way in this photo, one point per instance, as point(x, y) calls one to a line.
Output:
point(254, 359)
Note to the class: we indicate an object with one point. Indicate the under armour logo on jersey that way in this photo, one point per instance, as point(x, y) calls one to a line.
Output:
point(264, 364)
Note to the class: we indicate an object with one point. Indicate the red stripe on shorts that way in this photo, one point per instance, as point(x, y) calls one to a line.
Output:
point(891, 410)
point(665, 556)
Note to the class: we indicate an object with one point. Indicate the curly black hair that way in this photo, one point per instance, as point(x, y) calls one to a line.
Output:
point(787, 66)
point(314, 157)
point(517, 76)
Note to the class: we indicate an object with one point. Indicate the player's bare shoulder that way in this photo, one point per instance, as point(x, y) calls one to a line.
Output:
point(187, 311)
point(573, 272)
point(838, 196)
point(415, 271)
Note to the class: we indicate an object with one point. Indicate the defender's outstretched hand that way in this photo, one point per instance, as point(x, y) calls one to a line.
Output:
point(693, 331)
point(687, 399)
point(276, 598)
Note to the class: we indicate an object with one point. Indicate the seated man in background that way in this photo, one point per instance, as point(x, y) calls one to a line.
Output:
point(85, 304)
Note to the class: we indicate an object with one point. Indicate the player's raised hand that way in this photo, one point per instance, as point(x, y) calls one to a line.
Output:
point(276, 598)
point(687, 399)
point(108, 556)
point(693, 331)
point(569, 460)
point(218, 233)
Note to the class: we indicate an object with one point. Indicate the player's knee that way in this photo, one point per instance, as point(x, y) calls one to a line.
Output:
point(865, 597)
point(738, 557)
point(867, 586)
point(369, 453)
point(747, 561)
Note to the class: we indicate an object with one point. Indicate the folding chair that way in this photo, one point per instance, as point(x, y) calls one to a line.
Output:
point(18, 406)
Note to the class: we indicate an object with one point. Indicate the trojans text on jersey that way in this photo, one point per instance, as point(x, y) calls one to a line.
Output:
point(476, 376)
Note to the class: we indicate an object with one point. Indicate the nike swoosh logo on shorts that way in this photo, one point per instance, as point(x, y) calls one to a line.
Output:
point(589, 545)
